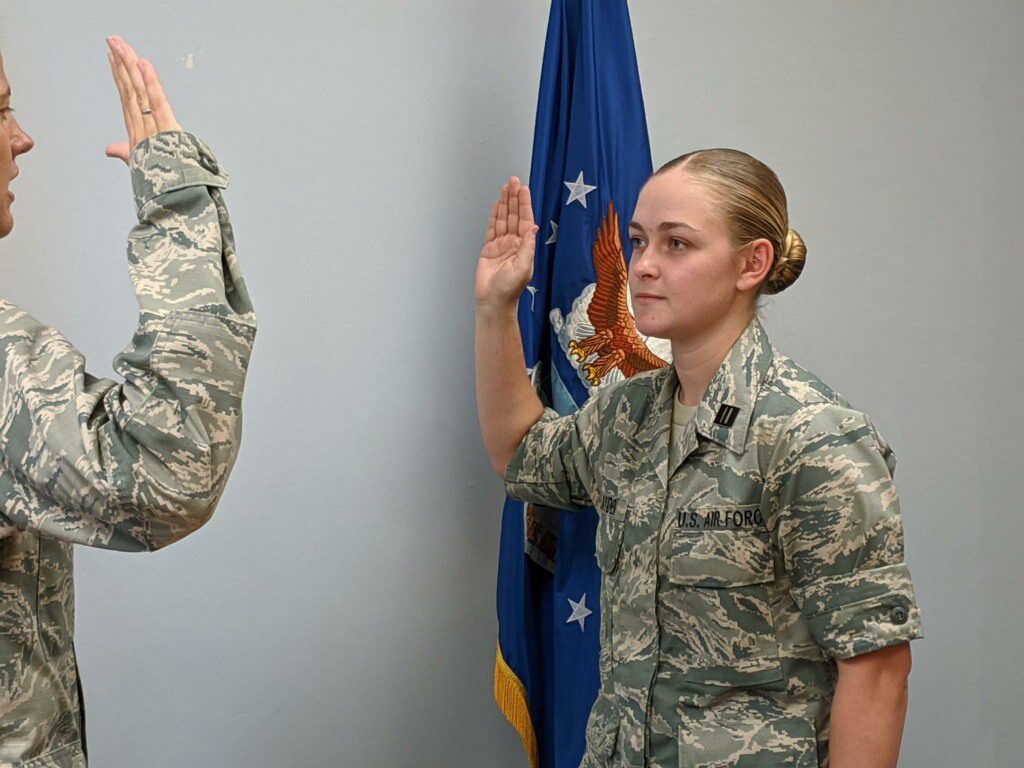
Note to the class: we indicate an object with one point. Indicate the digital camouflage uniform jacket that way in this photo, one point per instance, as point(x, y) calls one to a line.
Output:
point(733, 581)
point(130, 466)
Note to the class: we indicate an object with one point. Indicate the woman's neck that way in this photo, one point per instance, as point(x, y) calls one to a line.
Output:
point(697, 359)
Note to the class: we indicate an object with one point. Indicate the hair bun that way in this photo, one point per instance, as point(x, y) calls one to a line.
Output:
point(787, 245)
point(788, 266)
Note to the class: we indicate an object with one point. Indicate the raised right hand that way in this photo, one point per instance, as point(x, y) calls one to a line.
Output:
point(506, 261)
point(146, 111)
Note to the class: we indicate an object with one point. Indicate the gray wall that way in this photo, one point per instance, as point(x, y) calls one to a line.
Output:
point(338, 610)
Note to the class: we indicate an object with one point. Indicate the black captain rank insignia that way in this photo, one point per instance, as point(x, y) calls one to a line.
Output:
point(726, 415)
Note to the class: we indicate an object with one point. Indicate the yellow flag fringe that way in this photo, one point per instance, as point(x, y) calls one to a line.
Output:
point(510, 693)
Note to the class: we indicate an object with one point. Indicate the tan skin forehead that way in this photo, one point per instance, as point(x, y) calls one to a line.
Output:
point(676, 185)
point(4, 85)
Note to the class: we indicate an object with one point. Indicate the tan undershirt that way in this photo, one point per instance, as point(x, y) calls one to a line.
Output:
point(681, 414)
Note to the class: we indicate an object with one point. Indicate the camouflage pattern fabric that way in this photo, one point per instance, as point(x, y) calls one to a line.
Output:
point(130, 466)
point(734, 577)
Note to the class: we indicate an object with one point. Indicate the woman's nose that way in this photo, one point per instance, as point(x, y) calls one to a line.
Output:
point(22, 142)
point(640, 265)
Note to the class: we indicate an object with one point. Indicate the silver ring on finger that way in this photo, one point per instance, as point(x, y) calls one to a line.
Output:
point(147, 111)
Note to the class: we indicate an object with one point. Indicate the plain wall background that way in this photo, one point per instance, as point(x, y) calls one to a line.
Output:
point(339, 608)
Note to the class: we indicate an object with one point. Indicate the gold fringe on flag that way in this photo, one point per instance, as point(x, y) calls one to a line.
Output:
point(510, 693)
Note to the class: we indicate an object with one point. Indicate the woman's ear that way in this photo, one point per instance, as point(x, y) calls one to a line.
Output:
point(757, 263)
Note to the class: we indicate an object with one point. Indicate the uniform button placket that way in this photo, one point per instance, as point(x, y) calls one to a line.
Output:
point(656, 532)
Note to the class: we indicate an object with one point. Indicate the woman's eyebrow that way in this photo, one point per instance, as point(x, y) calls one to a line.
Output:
point(665, 225)
point(676, 225)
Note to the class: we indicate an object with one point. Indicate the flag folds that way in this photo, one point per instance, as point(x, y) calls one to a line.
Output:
point(591, 155)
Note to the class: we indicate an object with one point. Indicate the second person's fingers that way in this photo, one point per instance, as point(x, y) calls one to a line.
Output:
point(129, 104)
point(130, 61)
point(132, 108)
point(120, 91)
point(162, 113)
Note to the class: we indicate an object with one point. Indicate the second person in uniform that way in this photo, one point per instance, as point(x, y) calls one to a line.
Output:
point(130, 465)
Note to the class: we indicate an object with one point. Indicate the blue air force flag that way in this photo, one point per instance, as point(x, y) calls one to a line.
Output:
point(591, 155)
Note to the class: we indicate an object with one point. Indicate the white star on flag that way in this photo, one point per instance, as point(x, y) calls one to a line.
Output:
point(554, 234)
point(578, 190)
point(579, 611)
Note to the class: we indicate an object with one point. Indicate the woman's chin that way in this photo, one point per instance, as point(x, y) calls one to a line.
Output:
point(650, 329)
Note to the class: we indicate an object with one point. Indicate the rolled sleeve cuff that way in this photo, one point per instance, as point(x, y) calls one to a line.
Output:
point(536, 473)
point(171, 160)
point(519, 469)
point(856, 613)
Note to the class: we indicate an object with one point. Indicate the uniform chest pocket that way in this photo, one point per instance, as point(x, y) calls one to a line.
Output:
point(721, 558)
point(611, 513)
point(724, 575)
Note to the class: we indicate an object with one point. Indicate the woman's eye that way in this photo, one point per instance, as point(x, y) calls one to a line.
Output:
point(677, 243)
point(636, 242)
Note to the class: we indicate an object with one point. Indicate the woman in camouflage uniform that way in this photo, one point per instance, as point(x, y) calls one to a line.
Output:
point(755, 605)
point(130, 466)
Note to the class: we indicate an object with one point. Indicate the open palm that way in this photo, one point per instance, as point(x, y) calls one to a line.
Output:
point(145, 106)
point(506, 261)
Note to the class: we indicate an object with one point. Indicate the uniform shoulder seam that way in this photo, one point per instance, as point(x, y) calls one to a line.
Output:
point(822, 405)
point(778, 383)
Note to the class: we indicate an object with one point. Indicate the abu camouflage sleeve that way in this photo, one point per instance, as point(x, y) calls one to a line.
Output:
point(838, 523)
point(552, 465)
point(138, 464)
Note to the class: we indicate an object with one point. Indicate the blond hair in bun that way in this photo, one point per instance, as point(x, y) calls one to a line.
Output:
point(787, 266)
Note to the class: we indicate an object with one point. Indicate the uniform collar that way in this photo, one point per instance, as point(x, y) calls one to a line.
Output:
point(724, 412)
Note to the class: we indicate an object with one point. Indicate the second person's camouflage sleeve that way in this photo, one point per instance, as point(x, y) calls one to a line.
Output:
point(553, 463)
point(139, 464)
point(838, 523)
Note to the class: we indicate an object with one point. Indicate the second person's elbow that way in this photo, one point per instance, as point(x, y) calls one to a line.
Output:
point(176, 510)
point(171, 520)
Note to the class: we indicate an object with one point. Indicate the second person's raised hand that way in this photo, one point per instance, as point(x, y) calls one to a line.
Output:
point(145, 106)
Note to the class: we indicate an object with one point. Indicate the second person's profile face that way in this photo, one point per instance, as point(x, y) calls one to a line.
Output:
point(13, 142)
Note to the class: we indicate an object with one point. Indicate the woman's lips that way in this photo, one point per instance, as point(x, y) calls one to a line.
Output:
point(645, 298)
